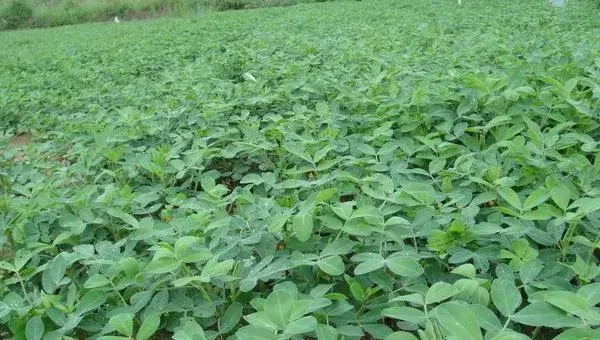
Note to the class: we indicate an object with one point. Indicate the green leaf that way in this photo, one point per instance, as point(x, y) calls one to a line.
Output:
point(561, 195)
point(508, 334)
point(57, 269)
point(338, 247)
point(303, 226)
point(95, 281)
point(481, 296)
point(321, 153)
point(326, 332)
point(255, 333)
point(249, 77)
point(251, 179)
point(194, 254)
point(183, 281)
point(184, 243)
point(190, 331)
point(374, 193)
point(591, 293)
point(53, 335)
point(422, 192)
point(537, 197)
point(289, 287)
point(123, 216)
point(373, 262)
point(278, 307)
point(74, 224)
point(34, 330)
point(371, 214)
point(409, 314)
point(162, 265)
point(301, 326)
point(148, 327)
point(343, 210)
point(544, 314)
point(401, 336)
point(506, 296)
point(388, 148)
point(323, 196)
point(260, 319)
point(530, 270)
point(366, 149)
point(297, 150)
point(437, 165)
point(231, 317)
point(377, 331)
point(439, 291)
point(466, 270)
point(277, 223)
point(4, 309)
point(486, 318)
point(207, 183)
point(573, 304)
point(586, 205)
point(579, 334)
point(412, 298)
point(404, 266)
point(122, 323)
point(214, 268)
point(320, 290)
point(7, 266)
point(510, 196)
point(332, 265)
point(357, 290)
point(90, 301)
point(458, 320)
point(330, 222)
point(294, 184)
point(542, 213)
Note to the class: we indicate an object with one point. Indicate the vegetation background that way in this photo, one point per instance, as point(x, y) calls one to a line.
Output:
point(15, 14)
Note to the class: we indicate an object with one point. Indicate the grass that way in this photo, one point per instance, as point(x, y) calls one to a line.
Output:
point(73, 12)
point(375, 169)
point(68, 12)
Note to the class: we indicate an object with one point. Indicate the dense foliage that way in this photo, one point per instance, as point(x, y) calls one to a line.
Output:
point(357, 170)
point(51, 13)
point(14, 14)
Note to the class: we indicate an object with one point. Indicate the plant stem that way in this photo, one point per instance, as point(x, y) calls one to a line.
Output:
point(23, 288)
point(118, 293)
point(567, 239)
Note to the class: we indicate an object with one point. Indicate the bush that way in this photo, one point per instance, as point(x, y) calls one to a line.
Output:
point(224, 5)
point(15, 15)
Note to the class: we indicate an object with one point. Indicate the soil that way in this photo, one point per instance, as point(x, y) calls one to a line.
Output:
point(20, 140)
